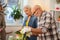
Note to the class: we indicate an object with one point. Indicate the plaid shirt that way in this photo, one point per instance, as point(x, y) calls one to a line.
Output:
point(47, 21)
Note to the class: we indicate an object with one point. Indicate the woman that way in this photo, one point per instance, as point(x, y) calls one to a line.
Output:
point(2, 24)
point(30, 20)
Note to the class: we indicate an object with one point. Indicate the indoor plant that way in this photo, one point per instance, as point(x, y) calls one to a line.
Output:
point(59, 18)
point(58, 1)
point(16, 14)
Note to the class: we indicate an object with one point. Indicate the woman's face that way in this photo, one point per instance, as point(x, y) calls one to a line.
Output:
point(27, 11)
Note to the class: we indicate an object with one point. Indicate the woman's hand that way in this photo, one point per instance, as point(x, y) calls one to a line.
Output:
point(25, 29)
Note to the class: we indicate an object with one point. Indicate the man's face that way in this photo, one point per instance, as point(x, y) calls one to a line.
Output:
point(27, 11)
point(37, 12)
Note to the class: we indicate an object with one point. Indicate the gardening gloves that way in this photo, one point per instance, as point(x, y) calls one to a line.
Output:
point(25, 30)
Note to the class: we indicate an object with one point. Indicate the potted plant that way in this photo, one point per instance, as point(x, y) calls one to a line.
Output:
point(59, 18)
point(16, 14)
point(58, 1)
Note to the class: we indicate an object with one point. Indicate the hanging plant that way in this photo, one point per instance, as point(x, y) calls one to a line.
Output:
point(16, 14)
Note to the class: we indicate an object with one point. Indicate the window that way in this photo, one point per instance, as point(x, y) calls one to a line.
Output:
point(10, 4)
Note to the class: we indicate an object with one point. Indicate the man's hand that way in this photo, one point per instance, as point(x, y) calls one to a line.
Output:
point(25, 29)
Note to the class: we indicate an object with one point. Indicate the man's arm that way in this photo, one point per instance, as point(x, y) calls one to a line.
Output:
point(36, 31)
point(45, 24)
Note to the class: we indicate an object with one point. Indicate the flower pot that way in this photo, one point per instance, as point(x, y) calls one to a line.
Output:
point(17, 22)
point(58, 19)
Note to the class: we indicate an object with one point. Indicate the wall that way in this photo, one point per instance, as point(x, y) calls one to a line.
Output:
point(45, 4)
point(52, 4)
point(12, 29)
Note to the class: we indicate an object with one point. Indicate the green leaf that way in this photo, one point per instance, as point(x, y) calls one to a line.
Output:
point(59, 16)
point(16, 14)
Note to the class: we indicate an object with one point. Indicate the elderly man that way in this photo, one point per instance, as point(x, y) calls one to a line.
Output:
point(2, 24)
point(47, 29)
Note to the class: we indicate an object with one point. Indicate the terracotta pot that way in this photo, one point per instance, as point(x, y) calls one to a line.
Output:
point(58, 19)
